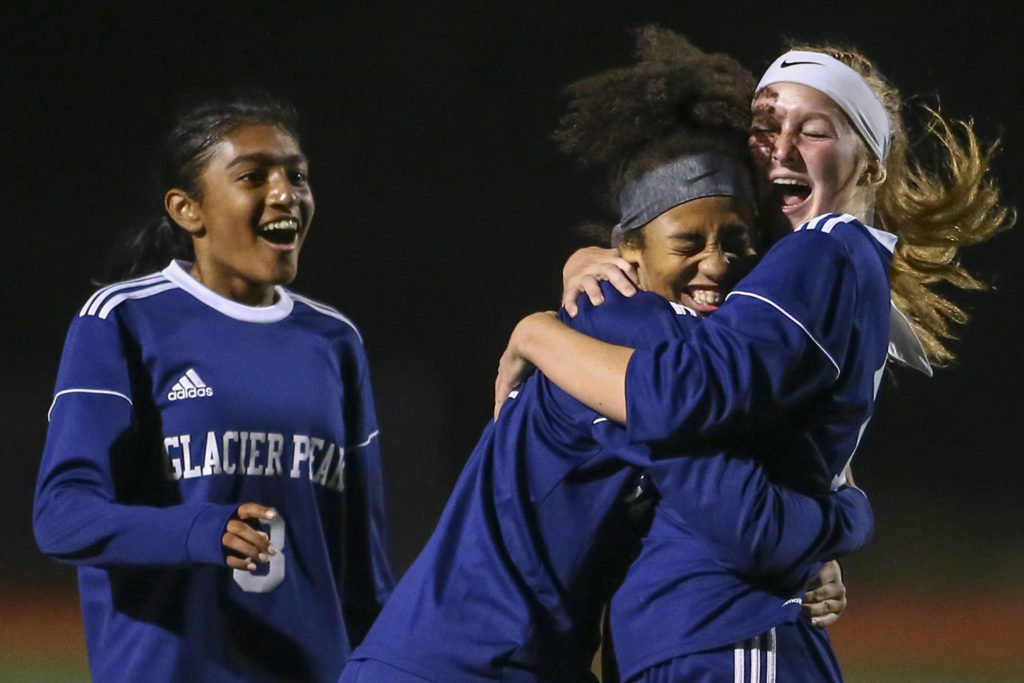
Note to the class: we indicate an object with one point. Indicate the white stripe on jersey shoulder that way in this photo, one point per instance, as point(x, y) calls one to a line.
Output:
point(100, 295)
point(373, 435)
point(106, 392)
point(328, 311)
point(683, 310)
point(886, 239)
point(826, 222)
point(780, 309)
point(143, 293)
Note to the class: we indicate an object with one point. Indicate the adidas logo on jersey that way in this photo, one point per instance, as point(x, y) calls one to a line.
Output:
point(189, 386)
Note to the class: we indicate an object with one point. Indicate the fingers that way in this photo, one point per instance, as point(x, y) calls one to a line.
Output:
point(828, 591)
point(824, 607)
point(622, 275)
point(245, 545)
point(825, 621)
point(510, 375)
point(824, 613)
point(587, 268)
point(825, 601)
point(255, 511)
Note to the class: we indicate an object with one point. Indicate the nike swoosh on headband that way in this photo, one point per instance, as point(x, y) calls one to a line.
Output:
point(786, 64)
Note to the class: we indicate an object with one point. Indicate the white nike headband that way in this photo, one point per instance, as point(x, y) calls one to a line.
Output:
point(844, 85)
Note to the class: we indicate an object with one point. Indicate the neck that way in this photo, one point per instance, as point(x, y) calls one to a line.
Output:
point(234, 287)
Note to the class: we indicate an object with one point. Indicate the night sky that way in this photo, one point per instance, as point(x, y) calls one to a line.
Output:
point(444, 213)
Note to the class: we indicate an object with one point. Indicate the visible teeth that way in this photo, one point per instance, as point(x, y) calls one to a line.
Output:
point(786, 181)
point(282, 224)
point(707, 297)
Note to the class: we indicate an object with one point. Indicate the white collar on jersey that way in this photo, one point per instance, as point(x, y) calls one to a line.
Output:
point(177, 273)
point(904, 346)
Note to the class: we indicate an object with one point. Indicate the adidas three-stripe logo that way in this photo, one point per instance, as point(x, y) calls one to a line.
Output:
point(189, 386)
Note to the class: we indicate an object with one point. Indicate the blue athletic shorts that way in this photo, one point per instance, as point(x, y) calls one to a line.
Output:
point(791, 653)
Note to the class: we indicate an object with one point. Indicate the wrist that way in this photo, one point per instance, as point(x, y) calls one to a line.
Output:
point(529, 333)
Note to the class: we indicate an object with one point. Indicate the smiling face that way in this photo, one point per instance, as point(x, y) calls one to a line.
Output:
point(810, 159)
point(695, 252)
point(253, 216)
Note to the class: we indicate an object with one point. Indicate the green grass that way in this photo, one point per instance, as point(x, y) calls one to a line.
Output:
point(14, 670)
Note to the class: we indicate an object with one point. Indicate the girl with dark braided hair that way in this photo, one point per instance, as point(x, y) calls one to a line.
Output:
point(794, 356)
point(211, 464)
point(544, 517)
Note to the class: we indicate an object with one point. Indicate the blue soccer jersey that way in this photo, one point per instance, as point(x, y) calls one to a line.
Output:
point(174, 405)
point(794, 357)
point(511, 584)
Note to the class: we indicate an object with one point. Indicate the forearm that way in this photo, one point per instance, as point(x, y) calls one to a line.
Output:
point(759, 528)
point(77, 517)
point(76, 526)
point(590, 370)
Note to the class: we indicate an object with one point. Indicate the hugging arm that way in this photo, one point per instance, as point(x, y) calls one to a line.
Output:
point(759, 528)
point(756, 355)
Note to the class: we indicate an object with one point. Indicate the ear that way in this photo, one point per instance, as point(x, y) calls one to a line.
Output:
point(631, 251)
point(875, 173)
point(183, 210)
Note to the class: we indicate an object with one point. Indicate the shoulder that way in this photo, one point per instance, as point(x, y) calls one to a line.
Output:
point(106, 300)
point(848, 231)
point(637, 320)
point(823, 245)
point(835, 224)
point(326, 315)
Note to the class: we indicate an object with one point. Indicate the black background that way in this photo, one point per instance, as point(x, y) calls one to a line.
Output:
point(444, 215)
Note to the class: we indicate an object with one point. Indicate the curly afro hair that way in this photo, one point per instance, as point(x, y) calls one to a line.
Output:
point(674, 100)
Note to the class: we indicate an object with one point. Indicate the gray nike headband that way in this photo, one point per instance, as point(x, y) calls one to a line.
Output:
point(691, 176)
point(845, 86)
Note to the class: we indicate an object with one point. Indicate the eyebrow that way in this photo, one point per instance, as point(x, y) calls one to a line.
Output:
point(727, 230)
point(684, 235)
point(267, 160)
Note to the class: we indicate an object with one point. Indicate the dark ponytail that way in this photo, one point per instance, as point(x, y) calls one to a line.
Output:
point(186, 151)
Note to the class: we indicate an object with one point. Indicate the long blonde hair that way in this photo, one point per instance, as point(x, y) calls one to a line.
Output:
point(934, 211)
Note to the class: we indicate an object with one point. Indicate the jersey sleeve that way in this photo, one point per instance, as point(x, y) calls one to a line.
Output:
point(367, 573)
point(782, 335)
point(77, 516)
point(639, 321)
point(756, 527)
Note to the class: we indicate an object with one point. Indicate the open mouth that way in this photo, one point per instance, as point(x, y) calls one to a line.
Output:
point(789, 193)
point(283, 232)
point(705, 300)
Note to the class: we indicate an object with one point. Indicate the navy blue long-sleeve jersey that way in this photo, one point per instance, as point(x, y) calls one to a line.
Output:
point(785, 372)
point(174, 405)
point(511, 584)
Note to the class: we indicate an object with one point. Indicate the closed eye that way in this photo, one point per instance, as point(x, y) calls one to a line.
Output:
point(254, 177)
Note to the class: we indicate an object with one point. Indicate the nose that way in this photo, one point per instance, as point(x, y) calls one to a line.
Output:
point(714, 264)
point(280, 191)
point(783, 147)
